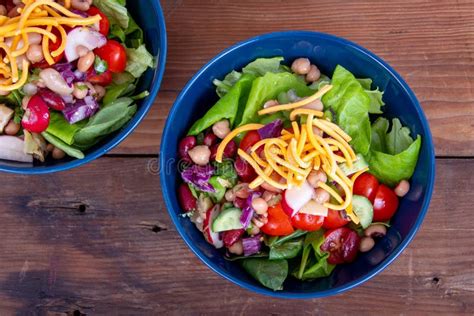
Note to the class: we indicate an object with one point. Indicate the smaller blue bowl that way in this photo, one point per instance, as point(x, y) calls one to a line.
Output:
point(326, 51)
point(149, 16)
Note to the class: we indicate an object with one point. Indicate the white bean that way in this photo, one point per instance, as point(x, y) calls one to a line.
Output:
point(316, 105)
point(55, 82)
point(30, 89)
point(34, 38)
point(402, 188)
point(85, 62)
point(81, 5)
point(237, 248)
point(35, 53)
point(82, 50)
point(270, 103)
point(80, 90)
point(315, 177)
point(321, 196)
point(260, 206)
point(366, 244)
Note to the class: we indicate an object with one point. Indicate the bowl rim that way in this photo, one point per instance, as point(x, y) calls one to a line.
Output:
point(145, 107)
point(397, 250)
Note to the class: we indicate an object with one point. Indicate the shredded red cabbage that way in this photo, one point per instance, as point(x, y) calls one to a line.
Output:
point(248, 211)
point(81, 109)
point(199, 177)
point(251, 245)
point(271, 130)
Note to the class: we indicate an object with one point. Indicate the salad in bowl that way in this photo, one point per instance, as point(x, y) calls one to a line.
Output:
point(68, 76)
point(293, 172)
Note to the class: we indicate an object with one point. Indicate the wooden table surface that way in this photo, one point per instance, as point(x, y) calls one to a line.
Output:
point(98, 240)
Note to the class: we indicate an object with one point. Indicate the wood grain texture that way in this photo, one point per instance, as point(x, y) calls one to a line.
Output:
point(110, 248)
point(430, 43)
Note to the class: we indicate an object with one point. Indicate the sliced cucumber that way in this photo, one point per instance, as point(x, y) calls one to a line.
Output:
point(358, 165)
point(363, 209)
point(228, 219)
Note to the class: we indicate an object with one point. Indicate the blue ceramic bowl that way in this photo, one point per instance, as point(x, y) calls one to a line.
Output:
point(149, 16)
point(326, 51)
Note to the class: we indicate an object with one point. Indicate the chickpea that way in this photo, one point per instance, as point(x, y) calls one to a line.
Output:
point(366, 244)
point(58, 153)
point(313, 74)
point(260, 206)
point(35, 53)
point(402, 188)
point(270, 103)
point(301, 66)
point(200, 155)
point(237, 248)
point(49, 148)
point(81, 5)
point(321, 196)
point(375, 230)
point(80, 90)
point(3, 10)
point(316, 105)
point(12, 128)
point(317, 176)
point(82, 51)
point(221, 129)
point(99, 92)
point(85, 62)
point(229, 196)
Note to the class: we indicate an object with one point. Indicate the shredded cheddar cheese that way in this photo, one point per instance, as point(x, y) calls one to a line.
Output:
point(39, 17)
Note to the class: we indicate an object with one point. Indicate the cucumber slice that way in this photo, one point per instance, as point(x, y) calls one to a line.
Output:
point(358, 165)
point(363, 209)
point(228, 219)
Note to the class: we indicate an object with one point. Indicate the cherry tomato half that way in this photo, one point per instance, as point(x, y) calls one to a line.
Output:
point(114, 54)
point(104, 23)
point(278, 224)
point(104, 79)
point(307, 222)
point(342, 244)
point(385, 204)
point(249, 140)
point(334, 220)
point(52, 47)
point(366, 185)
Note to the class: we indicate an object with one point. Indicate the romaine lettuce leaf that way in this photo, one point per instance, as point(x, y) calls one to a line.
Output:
point(60, 128)
point(223, 87)
point(138, 60)
point(269, 87)
point(68, 149)
point(375, 96)
point(260, 66)
point(227, 107)
point(115, 11)
point(348, 100)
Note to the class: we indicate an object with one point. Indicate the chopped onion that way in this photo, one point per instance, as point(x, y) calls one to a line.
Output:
point(12, 148)
point(313, 208)
point(296, 197)
point(82, 36)
point(251, 245)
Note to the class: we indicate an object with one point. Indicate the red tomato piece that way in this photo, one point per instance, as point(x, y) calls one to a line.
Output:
point(385, 204)
point(244, 170)
point(249, 140)
point(278, 224)
point(307, 222)
point(104, 23)
point(335, 220)
point(36, 117)
point(342, 244)
point(366, 185)
point(114, 54)
point(104, 79)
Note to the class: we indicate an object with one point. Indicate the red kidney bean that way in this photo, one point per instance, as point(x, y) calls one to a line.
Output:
point(210, 139)
point(229, 151)
point(52, 99)
point(240, 203)
point(185, 145)
point(186, 198)
point(36, 117)
point(230, 237)
point(244, 170)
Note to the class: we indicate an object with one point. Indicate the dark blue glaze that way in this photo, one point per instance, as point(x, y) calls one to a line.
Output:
point(326, 51)
point(149, 15)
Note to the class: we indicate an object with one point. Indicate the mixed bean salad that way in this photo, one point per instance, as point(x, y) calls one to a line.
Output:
point(68, 75)
point(292, 172)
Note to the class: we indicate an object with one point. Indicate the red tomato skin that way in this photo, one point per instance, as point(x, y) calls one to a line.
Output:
point(385, 204)
point(342, 244)
point(104, 24)
point(104, 79)
point(114, 54)
point(334, 220)
point(307, 222)
point(249, 140)
point(366, 185)
point(278, 224)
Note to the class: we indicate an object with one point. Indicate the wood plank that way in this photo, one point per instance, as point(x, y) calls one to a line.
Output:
point(430, 43)
point(98, 240)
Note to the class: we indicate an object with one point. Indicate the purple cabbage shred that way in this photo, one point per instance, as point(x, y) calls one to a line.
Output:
point(199, 177)
point(271, 130)
point(81, 109)
point(251, 245)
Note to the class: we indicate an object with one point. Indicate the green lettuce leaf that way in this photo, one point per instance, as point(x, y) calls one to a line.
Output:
point(287, 250)
point(350, 104)
point(376, 101)
point(68, 149)
point(115, 11)
point(270, 273)
point(223, 87)
point(260, 66)
point(269, 87)
point(61, 129)
point(138, 60)
point(227, 107)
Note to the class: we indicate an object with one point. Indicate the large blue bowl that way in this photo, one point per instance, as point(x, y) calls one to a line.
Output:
point(326, 51)
point(149, 16)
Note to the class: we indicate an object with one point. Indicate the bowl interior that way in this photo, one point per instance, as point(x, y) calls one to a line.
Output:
point(326, 52)
point(149, 16)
